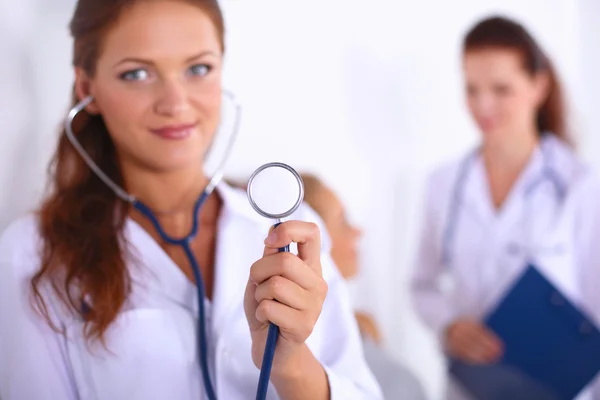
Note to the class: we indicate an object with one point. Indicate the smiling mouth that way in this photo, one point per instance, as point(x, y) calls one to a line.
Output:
point(174, 132)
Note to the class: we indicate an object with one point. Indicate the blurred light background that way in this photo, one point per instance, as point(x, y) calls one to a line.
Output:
point(367, 94)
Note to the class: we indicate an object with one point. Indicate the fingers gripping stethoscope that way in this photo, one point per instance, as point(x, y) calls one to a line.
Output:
point(185, 241)
point(548, 174)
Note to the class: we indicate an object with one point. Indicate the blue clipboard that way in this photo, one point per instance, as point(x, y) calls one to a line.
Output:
point(552, 350)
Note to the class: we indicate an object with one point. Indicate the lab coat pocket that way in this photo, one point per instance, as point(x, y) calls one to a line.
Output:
point(149, 353)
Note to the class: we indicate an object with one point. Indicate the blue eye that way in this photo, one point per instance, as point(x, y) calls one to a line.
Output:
point(135, 75)
point(200, 69)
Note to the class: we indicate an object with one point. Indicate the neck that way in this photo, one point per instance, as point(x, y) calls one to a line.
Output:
point(172, 198)
point(509, 155)
point(504, 162)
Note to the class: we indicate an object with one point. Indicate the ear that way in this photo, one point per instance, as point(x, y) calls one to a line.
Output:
point(84, 88)
point(542, 83)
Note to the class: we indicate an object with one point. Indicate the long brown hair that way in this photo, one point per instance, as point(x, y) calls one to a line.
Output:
point(500, 32)
point(81, 221)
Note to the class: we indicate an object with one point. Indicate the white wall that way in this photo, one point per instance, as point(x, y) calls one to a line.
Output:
point(369, 94)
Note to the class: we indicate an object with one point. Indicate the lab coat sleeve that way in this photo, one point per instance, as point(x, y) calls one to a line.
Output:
point(429, 299)
point(32, 363)
point(587, 240)
point(343, 357)
point(336, 340)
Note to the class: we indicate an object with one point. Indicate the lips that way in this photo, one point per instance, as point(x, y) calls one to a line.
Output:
point(174, 132)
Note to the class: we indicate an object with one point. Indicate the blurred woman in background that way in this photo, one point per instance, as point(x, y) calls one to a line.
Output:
point(522, 195)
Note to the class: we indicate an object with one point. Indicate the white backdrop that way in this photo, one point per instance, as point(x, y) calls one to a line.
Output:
point(367, 94)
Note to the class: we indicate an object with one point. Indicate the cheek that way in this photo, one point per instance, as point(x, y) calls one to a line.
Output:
point(122, 111)
point(519, 105)
point(207, 99)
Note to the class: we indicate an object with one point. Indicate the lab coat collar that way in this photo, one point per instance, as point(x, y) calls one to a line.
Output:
point(154, 273)
point(551, 153)
point(477, 196)
point(562, 160)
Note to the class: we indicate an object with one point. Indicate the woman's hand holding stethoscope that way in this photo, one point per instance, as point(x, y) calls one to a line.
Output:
point(288, 291)
point(472, 342)
point(285, 292)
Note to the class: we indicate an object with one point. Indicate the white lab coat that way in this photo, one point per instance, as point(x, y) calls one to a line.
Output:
point(490, 248)
point(153, 342)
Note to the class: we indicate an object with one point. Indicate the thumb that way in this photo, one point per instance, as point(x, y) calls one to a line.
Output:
point(268, 251)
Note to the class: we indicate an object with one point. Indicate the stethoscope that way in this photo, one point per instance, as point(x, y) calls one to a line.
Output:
point(548, 173)
point(263, 202)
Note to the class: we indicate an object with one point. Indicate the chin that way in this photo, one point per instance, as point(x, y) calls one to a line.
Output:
point(176, 165)
point(493, 133)
point(352, 269)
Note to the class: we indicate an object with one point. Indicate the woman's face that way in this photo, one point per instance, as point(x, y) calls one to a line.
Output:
point(502, 97)
point(157, 85)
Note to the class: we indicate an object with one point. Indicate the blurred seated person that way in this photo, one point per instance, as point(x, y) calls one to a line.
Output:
point(396, 381)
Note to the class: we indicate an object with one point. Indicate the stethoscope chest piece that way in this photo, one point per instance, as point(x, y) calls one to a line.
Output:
point(275, 190)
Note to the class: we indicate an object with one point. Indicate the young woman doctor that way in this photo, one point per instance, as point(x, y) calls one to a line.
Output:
point(522, 196)
point(95, 305)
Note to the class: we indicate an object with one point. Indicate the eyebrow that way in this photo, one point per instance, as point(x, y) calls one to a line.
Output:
point(149, 62)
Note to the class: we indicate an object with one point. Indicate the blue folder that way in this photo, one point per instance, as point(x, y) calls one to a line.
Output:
point(552, 350)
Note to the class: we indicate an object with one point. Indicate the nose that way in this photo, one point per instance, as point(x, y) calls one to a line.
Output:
point(172, 100)
point(483, 105)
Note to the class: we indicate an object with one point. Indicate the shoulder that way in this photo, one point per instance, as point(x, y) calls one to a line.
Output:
point(441, 180)
point(444, 175)
point(573, 170)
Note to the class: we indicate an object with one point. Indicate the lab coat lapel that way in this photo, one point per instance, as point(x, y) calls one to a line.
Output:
point(475, 199)
point(159, 274)
point(241, 236)
point(514, 213)
point(510, 241)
